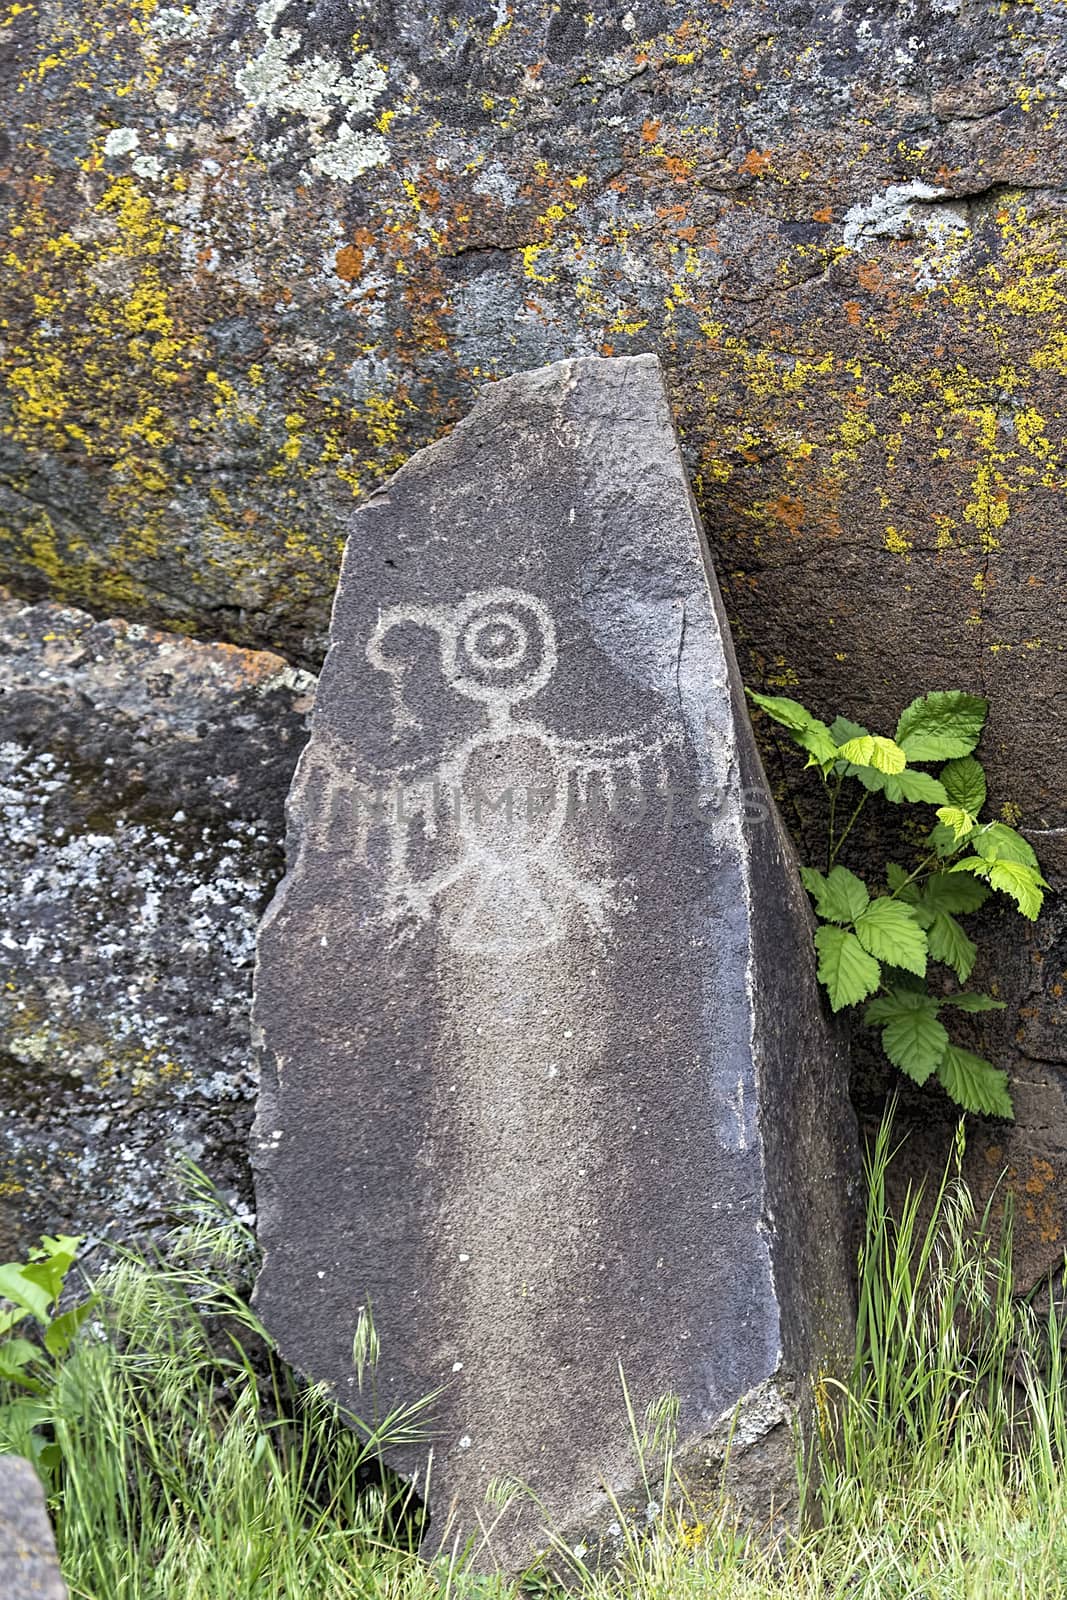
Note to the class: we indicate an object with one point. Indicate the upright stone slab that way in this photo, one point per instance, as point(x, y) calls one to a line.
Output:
point(545, 1079)
point(29, 1568)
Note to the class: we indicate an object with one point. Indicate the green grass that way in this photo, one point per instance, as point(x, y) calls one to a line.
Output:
point(195, 1466)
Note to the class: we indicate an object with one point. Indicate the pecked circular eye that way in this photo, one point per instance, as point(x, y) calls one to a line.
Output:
point(496, 642)
point(501, 646)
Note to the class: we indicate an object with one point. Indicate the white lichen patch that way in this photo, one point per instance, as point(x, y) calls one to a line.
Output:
point(121, 141)
point(148, 167)
point(172, 23)
point(285, 78)
point(918, 211)
point(114, 926)
point(903, 211)
point(496, 183)
point(761, 1409)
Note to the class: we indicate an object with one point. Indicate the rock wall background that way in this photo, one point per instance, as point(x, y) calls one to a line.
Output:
point(142, 780)
point(257, 255)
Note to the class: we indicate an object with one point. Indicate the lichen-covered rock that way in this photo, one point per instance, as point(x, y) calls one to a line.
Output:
point(258, 253)
point(142, 781)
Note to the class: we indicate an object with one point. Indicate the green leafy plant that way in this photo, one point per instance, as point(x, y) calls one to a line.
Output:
point(879, 946)
point(31, 1290)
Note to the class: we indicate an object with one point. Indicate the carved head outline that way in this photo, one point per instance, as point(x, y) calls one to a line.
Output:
point(498, 646)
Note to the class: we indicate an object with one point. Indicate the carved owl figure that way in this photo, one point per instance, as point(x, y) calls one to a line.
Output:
point(493, 814)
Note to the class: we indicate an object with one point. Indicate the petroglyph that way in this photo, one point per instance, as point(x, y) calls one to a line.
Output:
point(497, 808)
point(519, 1002)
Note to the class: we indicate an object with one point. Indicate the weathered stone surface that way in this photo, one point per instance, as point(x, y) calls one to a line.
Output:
point(29, 1569)
point(142, 780)
point(257, 254)
point(279, 245)
point(545, 1078)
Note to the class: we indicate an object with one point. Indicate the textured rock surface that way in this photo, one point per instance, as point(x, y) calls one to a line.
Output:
point(28, 1566)
point(258, 253)
point(545, 1078)
point(142, 780)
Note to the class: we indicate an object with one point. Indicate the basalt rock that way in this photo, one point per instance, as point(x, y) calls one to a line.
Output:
point(547, 1088)
point(29, 1569)
point(142, 780)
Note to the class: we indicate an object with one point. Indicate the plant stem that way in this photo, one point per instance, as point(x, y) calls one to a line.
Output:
point(848, 829)
point(913, 875)
point(834, 792)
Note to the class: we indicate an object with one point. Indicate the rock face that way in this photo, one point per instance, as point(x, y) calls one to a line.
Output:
point(28, 1566)
point(257, 254)
point(142, 779)
point(545, 1082)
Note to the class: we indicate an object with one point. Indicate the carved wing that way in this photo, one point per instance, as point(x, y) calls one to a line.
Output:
point(613, 759)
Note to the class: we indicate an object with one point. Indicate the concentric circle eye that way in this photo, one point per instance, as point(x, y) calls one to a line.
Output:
point(501, 646)
point(495, 642)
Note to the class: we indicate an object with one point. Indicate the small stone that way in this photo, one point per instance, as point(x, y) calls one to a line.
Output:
point(29, 1567)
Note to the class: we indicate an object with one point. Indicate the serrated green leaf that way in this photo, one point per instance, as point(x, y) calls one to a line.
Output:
point(973, 1002)
point(870, 777)
point(816, 740)
point(973, 864)
point(813, 880)
point(949, 943)
point(997, 842)
point(961, 822)
point(916, 1042)
point(848, 973)
point(887, 756)
point(1022, 883)
point(888, 930)
point(941, 725)
point(841, 896)
point(897, 879)
point(949, 891)
point(898, 999)
point(964, 782)
point(873, 751)
point(790, 713)
point(913, 1038)
point(912, 785)
point(975, 1084)
point(808, 732)
point(841, 730)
